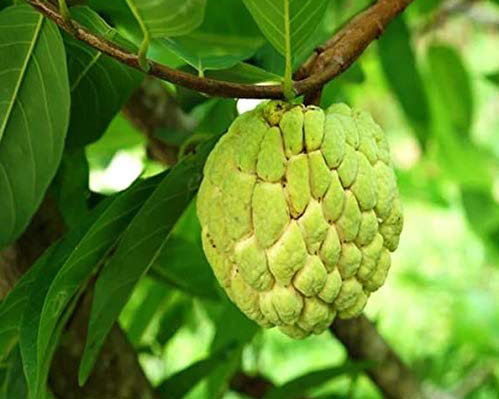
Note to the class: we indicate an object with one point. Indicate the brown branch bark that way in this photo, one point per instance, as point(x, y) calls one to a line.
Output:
point(343, 49)
point(339, 53)
point(117, 373)
point(151, 108)
point(390, 374)
point(252, 386)
point(446, 11)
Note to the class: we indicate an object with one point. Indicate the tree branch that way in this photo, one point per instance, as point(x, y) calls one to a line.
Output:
point(447, 10)
point(390, 374)
point(339, 53)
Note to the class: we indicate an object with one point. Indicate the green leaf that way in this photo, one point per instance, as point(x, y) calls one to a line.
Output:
point(70, 187)
point(12, 307)
point(5, 3)
point(218, 118)
point(205, 50)
point(37, 382)
point(244, 73)
point(482, 212)
point(182, 262)
point(469, 165)
point(493, 77)
point(305, 17)
point(219, 43)
point(453, 86)
point(297, 387)
point(120, 135)
point(34, 114)
point(231, 326)
point(173, 318)
point(179, 384)
point(400, 69)
point(179, 256)
point(143, 315)
point(66, 267)
point(100, 85)
point(163, 18)
point(14, 384)
point(139, 247)
point(425, 7)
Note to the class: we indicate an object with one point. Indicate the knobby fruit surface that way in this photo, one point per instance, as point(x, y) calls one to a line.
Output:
point(300, 210)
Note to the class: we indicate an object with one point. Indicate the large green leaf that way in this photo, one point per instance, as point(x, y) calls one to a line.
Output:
point(139, 247)
point(453, 86)
point(67, 267)
point(401, 72)
point(100, 85)
point(34, 113)
point(161, 18)
point(304, 18)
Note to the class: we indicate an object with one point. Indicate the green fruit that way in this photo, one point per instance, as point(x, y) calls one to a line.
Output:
point(299, 210)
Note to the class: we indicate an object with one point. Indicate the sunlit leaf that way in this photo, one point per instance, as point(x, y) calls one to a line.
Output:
point(305, 17)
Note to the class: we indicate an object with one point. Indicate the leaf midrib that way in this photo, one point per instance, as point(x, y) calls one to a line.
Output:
point(22, 74)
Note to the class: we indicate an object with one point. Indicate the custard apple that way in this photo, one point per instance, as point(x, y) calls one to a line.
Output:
point(299, 210)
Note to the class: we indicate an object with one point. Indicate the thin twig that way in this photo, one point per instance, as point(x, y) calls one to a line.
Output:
point(348, 44)
point(447, 10)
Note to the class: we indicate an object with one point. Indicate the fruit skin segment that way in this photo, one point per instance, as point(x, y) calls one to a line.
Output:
point(300, 209)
